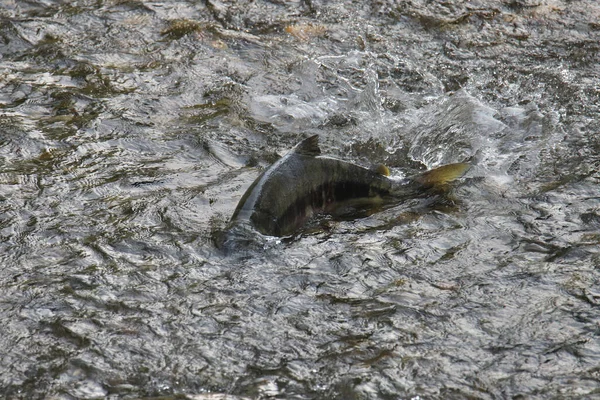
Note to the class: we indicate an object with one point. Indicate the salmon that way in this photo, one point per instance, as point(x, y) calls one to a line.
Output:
point(304, 184)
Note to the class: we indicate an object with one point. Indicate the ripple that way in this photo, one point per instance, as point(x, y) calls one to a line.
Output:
point(128, 133)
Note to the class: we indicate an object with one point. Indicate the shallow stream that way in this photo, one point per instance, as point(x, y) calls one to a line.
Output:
point(129, 130)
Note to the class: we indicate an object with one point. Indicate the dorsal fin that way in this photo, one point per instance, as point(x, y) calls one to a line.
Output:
point(308, 147)
point(381, 170)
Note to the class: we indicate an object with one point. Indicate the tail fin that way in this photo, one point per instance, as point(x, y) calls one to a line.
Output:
point(442, 175)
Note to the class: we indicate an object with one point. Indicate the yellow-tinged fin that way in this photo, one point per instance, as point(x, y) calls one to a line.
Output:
point(382, 170)
point(442, 175)
point(308, 147)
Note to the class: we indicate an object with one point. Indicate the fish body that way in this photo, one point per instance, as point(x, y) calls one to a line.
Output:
point(303, 184)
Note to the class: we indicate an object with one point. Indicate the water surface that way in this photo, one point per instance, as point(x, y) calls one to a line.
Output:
point(129, 130)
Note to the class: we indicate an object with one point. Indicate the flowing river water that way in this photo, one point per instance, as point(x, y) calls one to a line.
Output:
point(129, 130)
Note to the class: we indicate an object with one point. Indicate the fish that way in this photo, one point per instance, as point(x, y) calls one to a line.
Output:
point(304, 184)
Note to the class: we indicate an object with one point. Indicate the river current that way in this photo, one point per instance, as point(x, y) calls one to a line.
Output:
point(130, 129)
